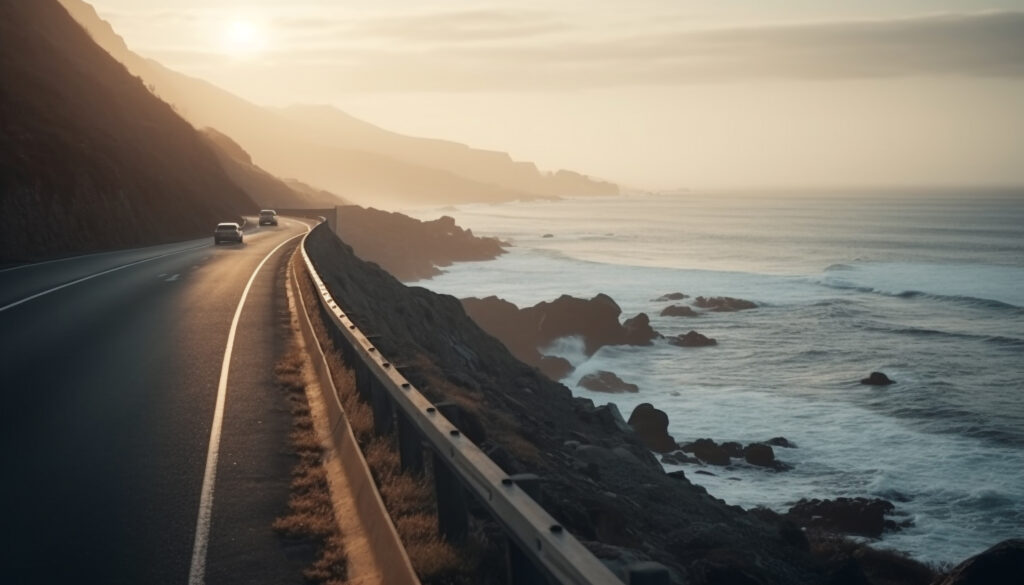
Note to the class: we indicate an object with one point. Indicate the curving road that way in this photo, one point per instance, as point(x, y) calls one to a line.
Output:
point(110, 367)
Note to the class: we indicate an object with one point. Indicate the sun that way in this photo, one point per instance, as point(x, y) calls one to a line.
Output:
point(244, 38)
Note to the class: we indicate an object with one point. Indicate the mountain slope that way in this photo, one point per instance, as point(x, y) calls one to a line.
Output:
point(333, 150)
point(89, 158)
point(265, 189)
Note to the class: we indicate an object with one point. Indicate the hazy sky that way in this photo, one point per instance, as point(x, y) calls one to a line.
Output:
point(650, 93)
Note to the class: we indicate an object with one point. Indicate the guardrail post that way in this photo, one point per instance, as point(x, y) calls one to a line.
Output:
point(648, 573)
point(452, 511)
point(521, 569)
point(381, 405)
point(410, 445)
point(362, 381)
point(451, 411)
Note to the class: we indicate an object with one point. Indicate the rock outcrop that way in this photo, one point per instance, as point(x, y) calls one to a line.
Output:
point(723, 304)
point(672, 296)
point(609, 382)
point(692, 339)
point(524, 331)
point(857, 516)
point(1002, 564)
point(877, 379)
point(651, 425)
point(678, 311)
point(408, 248)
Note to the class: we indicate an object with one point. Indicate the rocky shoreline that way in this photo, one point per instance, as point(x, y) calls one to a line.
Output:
point(600, 478)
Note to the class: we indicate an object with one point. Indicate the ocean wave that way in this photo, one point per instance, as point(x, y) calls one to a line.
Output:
point(978, 302)
point(1000, 340)
point(839, 267)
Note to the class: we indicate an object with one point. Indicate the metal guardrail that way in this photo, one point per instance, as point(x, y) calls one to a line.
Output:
point(540, 548)
point(392, 564)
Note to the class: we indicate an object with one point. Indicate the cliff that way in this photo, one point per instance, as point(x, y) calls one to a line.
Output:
point(599, 480)
point(89, 158)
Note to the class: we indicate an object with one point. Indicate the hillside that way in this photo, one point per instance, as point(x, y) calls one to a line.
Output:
point(332, 150)
point(89, 158)
point(265, 189)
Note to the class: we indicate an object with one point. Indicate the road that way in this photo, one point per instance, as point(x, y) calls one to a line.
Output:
point(111, 366)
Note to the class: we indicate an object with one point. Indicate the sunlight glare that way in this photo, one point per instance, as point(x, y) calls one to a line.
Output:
point(244, 38)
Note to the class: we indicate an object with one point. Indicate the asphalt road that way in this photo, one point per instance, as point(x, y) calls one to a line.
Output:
point(109, 388)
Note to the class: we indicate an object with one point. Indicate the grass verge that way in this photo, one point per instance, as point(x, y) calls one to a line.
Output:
point(310, 513)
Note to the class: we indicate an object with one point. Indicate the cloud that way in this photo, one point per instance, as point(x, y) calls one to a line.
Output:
point(488, 50)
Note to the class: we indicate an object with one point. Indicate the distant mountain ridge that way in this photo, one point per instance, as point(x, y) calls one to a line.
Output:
point(89, 158)
point(324, 146)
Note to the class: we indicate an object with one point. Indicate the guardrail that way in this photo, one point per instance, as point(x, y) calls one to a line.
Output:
point(540, 549)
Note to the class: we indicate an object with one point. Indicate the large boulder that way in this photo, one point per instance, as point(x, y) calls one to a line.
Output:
point(723, 304)
point(638, 331)
point(759, 454)
point(602, 381)
point(1003, 564)
point(555, 367)
point(651, 425)
point(877, 379)
point(858, 516)
point(693, 339)
point(672, 296)
point(708, 451)
point(678, 311)
point(523, 331)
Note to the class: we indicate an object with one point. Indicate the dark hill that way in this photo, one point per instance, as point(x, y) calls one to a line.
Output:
point(89, 158)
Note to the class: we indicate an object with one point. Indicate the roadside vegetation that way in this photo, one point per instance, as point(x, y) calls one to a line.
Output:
point(310, 513)
point(408, 497)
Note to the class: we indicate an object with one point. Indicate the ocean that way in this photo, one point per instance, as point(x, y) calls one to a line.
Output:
point(927, 287)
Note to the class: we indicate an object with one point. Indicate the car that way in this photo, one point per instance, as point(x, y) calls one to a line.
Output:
point(268, 217)
point(227, 232)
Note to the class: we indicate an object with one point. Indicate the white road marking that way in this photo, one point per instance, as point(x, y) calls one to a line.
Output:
point(172, 278)
point(91, 276)
point(197, 572)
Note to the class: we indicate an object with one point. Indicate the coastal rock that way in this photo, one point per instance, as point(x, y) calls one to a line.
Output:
point(692, 339)
point(672, 296)
point(759, 454)
point(1002, 564)
point(555, 367)
point(781, 442)
point(424, 247)
point(651, 426)
point(877, 379)
point(548, 236)
point(678, 311)
point(858, 516)
point(733, 448)
point(723, 304)
point(638, 331)
point(595, 321)
point(678, 458)
point(603, 381)
point(708, 451)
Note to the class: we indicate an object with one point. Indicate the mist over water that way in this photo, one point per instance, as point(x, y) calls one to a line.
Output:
point(926, 287)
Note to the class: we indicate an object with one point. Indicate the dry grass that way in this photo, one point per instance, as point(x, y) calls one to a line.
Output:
point(409, 498)
point(310, 513)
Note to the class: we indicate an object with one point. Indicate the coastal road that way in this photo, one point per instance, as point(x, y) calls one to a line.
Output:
point(111, 366)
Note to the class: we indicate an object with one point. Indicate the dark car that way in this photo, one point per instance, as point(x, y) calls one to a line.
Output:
point(227, 232)
point(268, 217)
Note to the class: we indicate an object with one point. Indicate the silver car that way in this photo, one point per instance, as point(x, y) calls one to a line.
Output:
point(227, 232)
